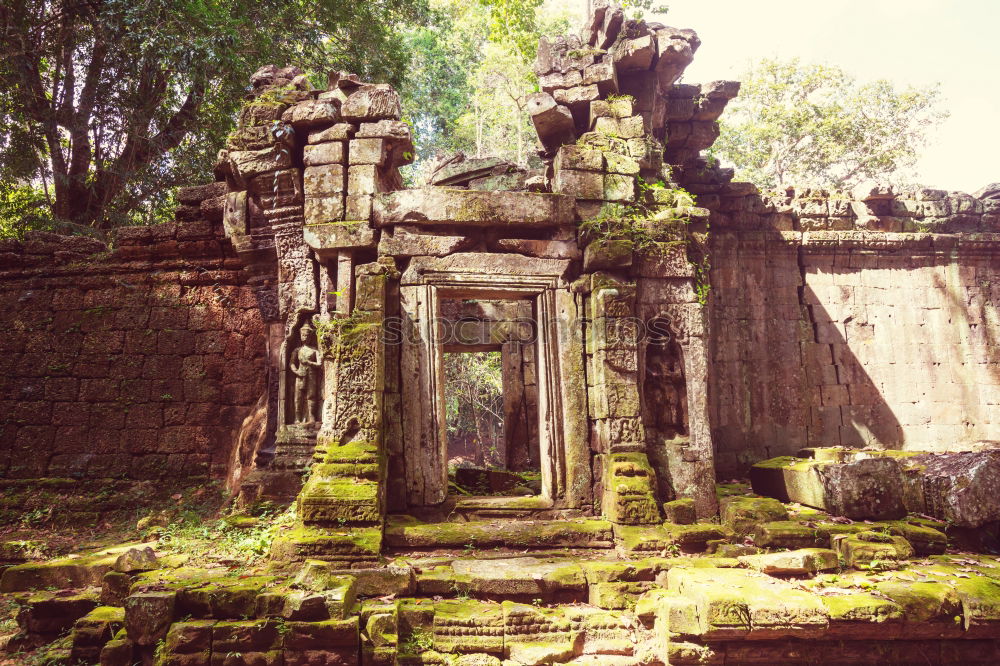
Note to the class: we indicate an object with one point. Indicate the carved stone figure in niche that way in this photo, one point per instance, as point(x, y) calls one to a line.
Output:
point(304, 363)
point(664, 387)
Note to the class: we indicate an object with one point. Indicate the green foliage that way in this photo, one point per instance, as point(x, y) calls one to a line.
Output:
point(105, 106)
point(473, 397)
point(815, 125)
point(206, 538)
point(22, 208)
point(471, 73)
point(419, 641)
point(635, 221)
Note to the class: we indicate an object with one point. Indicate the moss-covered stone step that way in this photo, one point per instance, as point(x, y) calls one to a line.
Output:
point(44, 616)
point(408, 532)
point(93, 631)
point(345, 544)
point(667, 538)
point(65, 572)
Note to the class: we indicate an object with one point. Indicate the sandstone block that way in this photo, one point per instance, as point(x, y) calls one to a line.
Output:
point(311, 113)
point(322, 210)
point(330, 152)
point(439, 205)
point(553, 122)
point(618, 187)
point(367, 151)
point(580, 184)
point(962, 488)
point(372, 102)
point(577, 158)
point(148, 616)
point(635, 53)
point(323, 181)
point(358, 207)
point(604, 76)
point(867, 488)
point(404, 242)
point(805, 562)
point(339, 132)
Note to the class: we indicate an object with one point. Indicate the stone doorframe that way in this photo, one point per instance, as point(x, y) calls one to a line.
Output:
point(562, 410)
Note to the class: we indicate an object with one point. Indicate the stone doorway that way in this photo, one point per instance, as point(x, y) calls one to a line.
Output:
point(526, 316)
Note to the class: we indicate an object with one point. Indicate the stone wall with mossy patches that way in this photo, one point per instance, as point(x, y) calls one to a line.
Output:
point(852, 319)
point(134, 361)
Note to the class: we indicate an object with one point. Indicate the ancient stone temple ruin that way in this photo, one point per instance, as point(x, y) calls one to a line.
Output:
point(660, 329)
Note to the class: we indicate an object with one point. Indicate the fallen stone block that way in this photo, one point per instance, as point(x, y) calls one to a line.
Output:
point(743, 514)
point(803, 562)
point(961, 488)
point(93, 631)
point(867, 488)
point(866, 549)
point(553, 122)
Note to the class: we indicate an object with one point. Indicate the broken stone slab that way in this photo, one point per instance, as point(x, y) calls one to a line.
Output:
point(440, 205)
point(804, 562)
point(553, 122)
point(311, 114)
point(869, 488)
point(743, 514)
point(862, 549)
point(372, 102)
point(737, 604)
point(961, 488)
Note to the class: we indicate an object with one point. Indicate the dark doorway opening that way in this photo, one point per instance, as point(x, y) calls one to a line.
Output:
point(491, 400)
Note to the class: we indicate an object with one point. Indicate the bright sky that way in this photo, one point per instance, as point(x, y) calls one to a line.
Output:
point(918, 42)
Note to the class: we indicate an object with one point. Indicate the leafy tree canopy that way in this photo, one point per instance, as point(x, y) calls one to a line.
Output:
point(106, 104)
point(815, 125)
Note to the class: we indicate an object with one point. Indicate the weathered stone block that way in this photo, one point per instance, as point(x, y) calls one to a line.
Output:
point(553, 122)
point(320, 211)
point(148, 616)
point(311, 113)
point(805, 562)
point(323, 181)
point(866, 488)
point(367, 151)
point(743, 514)
point(329, 152)
point(372, 102)
point(680, 511)
point(618, 187)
